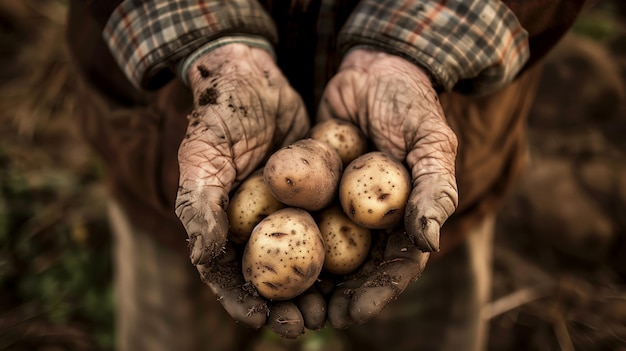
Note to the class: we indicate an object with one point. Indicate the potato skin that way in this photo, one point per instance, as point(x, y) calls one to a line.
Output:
point(304, 174)
point(250, 203)
point(284, 255)
point(343, 136)
point(347, 243)
point(374, 190)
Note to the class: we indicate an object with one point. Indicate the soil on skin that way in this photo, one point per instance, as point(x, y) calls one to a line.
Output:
point(560, 258)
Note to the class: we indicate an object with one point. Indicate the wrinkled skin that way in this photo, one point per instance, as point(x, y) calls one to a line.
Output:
point(395, 105)
point(244, 109)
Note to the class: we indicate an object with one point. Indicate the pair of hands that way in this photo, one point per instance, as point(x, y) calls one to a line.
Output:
point(244, 109)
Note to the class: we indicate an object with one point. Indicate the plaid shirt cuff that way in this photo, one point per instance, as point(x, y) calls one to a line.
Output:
point(471, 46)
point(148, 37)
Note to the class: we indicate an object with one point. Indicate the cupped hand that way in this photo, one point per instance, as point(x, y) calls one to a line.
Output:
point(244, 109)
point(395, 104)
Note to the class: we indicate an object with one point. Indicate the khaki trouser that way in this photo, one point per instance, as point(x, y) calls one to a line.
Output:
point(161, 302)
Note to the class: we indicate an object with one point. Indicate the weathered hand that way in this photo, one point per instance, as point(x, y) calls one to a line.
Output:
point(244, 109)
point(395, 105)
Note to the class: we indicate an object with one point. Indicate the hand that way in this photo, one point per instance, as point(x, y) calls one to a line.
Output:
point(395, 105)
point(244, 109)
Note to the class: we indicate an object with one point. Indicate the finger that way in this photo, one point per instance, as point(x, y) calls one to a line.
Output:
point(241, 301)
point(340, 300)
point(313, 308)
point(206, 176)
point(339, 100)
point(402, 264)
point(364, 297)
point(206, 226)
point(326, 284)
point(431, 159)
point(340, 304)
point(285, 320)
point(292, 121)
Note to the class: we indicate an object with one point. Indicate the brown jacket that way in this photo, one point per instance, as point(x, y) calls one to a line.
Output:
point(137, 134)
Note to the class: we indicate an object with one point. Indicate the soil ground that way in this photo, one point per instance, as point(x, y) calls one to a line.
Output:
point(560, 257)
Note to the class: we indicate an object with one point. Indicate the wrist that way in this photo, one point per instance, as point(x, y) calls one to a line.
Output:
point(365, 58)
point(184, 67)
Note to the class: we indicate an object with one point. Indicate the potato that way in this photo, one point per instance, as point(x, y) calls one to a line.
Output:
point(374, 190)
point(248, 206)
point(347, 243)
point(343, 136)
point(304, 174)
point(284, 255)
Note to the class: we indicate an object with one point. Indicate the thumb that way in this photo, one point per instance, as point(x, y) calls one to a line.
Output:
point(202, 213)
point(431, 159)
point(207, 173)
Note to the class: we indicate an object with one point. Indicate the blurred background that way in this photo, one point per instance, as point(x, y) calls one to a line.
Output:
point(560, 257)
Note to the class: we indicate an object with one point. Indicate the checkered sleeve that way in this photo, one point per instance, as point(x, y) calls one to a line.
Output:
point(148, 37)
point(470, 46)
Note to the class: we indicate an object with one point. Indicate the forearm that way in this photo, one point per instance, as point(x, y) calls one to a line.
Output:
point(471, 46)
point(148, 38)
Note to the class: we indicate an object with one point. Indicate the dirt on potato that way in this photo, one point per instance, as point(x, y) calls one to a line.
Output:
point(560, 297)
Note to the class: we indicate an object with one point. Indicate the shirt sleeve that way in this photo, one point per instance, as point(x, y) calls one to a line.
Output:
point(148, 37)
point(470, 46)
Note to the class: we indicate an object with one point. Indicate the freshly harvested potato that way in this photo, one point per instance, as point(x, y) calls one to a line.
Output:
point(343, 136)
point(374, 190)
point(347, 243)
point(248, 206)
point(304, 174)
point(284, 255)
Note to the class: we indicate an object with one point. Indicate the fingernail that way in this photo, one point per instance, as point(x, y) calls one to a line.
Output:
point(428, 236)
point(195, 247)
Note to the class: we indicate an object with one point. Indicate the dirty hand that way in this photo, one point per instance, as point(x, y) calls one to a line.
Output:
point(394, 103)
point(244, 109)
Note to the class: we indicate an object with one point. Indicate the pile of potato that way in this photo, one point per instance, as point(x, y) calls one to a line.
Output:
point(311, 208)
